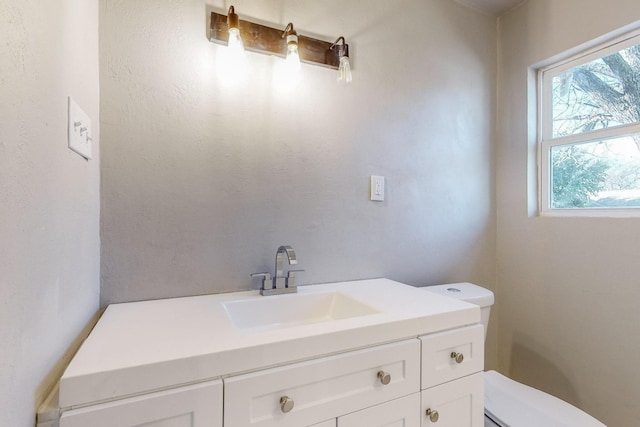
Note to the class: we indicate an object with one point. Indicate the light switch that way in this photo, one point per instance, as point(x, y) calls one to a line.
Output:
point(79, 130)
point(377, 188)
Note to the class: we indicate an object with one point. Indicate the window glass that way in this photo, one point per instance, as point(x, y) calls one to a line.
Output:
point(601, 174)
point(599, 94)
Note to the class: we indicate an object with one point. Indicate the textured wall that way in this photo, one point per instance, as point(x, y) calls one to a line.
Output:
point(203, 180)
point(567, 288)
point(49, 196)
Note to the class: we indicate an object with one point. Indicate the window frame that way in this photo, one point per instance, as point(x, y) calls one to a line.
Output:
point(545, 140)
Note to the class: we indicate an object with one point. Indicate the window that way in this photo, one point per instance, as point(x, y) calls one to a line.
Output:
point(589, 132)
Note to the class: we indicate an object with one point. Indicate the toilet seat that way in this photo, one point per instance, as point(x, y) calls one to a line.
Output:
point(512, 404)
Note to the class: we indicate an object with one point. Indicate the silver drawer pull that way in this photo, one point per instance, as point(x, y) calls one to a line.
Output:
point(458, 357)
point(384, 377)
point(286, 404)
point(433, 415)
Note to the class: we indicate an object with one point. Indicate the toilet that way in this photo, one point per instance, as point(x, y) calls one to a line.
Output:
point(508, 403)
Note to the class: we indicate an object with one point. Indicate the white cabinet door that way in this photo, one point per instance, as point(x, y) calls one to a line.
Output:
point(198, 405)
point(458, 403)
point(403, 412)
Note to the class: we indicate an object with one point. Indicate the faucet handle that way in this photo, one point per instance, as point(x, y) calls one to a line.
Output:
point(291, 278)
point(266, 280)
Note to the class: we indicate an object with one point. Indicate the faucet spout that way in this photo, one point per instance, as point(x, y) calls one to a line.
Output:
point(291, 257)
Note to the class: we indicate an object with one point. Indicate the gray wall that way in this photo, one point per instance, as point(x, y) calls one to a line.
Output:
point(202, 181)
point(567, 288)
point(49, 196)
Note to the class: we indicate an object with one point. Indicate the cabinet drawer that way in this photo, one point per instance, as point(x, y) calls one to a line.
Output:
point(439, 364)
point(457, 403)
point(322, 388)
point(197, 405)
point(401, 412)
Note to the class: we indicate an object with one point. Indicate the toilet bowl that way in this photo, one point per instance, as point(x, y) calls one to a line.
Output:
point(508, 403)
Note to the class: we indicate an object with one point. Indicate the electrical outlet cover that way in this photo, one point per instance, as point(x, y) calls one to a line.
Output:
point(377, 188)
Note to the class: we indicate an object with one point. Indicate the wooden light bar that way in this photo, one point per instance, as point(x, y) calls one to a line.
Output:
point(267, 40)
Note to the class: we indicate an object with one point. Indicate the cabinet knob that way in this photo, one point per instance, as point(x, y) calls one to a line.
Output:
point(433, 415)
point(384, 377)
point(286, 404)
point(458, 357)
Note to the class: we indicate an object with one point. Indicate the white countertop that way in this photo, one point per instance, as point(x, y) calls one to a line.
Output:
point(144, 346)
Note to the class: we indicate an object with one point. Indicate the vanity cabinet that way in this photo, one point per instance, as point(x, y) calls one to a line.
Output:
point(434, 380)
point(197, 405)
point(338, 365)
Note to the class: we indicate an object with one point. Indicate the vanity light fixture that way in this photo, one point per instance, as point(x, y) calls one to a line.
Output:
point(285, 44)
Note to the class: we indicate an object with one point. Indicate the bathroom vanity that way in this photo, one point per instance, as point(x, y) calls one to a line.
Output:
point(351, 354)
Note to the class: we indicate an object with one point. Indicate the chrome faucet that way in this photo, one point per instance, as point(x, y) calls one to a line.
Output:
point(280, 283)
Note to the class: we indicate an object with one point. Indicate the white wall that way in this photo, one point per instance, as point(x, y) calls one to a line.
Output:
point(567, 288)
point(202, 182)
point(49, 196)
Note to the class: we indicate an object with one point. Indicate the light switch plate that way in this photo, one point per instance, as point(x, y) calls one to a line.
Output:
point(79, 130)
point(377, 188)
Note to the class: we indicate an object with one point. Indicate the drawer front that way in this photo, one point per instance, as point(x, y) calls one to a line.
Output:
point(403, 412)
point(439, 363)
point(459, 403)
point(198, 405)
point(310, 392)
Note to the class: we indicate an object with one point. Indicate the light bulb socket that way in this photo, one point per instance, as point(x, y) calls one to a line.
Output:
point(292, 39)
point(343, 51)
point(340, 48)
point(290, 34)
point(232, 19)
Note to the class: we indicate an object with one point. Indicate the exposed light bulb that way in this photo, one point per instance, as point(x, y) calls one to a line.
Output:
point(340, 48)
point(344, 71)
point(293, 58)
point(235, 42)
point(292, 61)
point(232, 61)
point(236, 47)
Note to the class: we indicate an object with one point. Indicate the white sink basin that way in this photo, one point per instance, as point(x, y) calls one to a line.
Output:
point(285, 311)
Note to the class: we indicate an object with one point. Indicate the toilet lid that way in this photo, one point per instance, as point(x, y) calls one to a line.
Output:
point(512, 404)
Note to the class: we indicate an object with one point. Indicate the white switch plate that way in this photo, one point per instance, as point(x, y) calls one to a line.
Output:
point(79, 130)
point(377, 188)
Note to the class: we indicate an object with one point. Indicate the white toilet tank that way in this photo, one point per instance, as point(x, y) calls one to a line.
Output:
point(470, 293)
